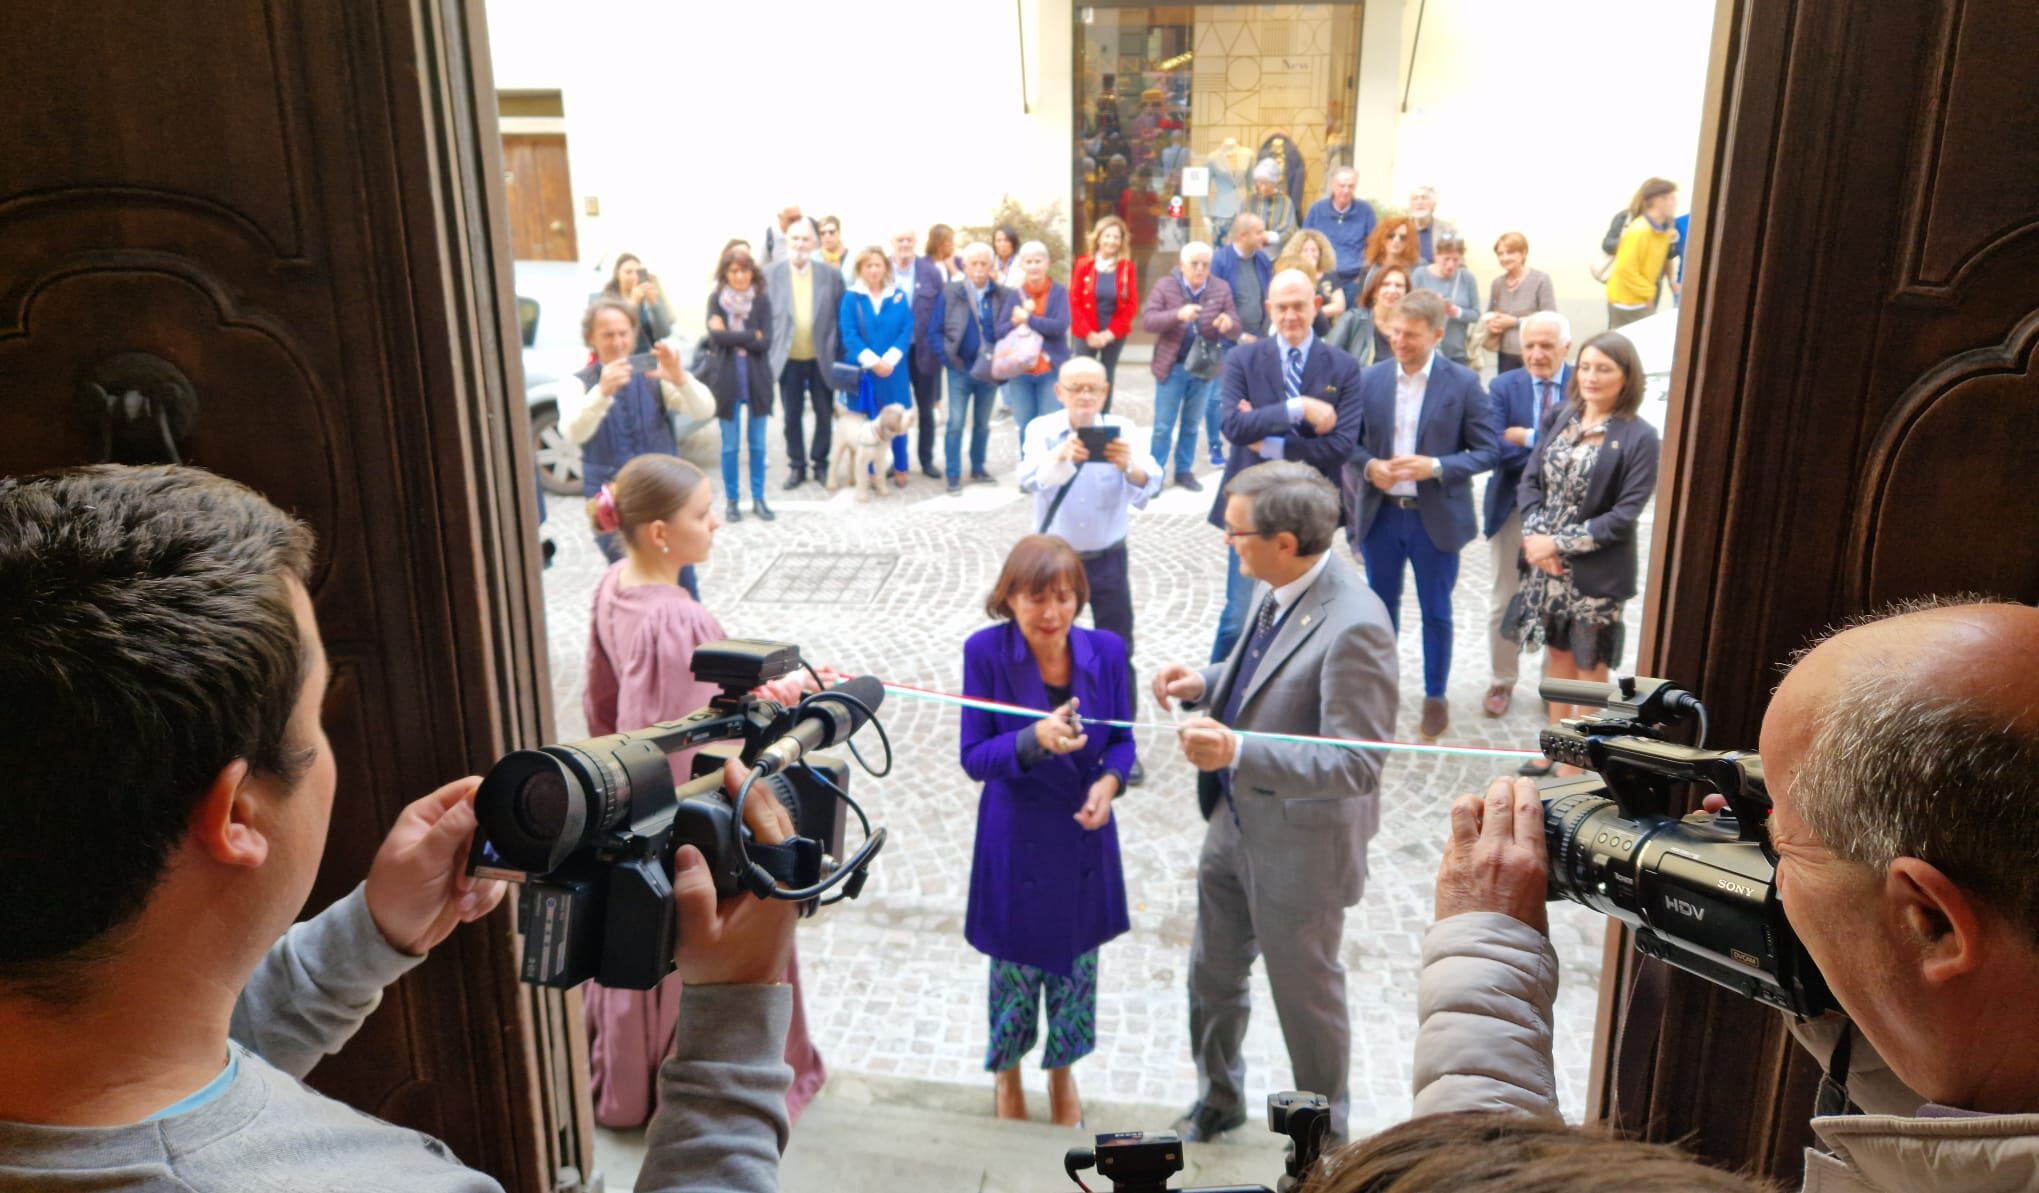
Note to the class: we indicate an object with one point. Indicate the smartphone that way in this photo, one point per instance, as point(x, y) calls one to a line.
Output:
point(1094, 439)
point(643, 362)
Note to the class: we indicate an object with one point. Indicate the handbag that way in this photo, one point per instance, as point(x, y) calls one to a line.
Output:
point(1206, 357)
point(844, 377)
point(1017, 353)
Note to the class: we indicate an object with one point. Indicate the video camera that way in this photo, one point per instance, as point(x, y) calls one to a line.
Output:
point(1699, 892)
point(590, 828)
point(1142, 1161)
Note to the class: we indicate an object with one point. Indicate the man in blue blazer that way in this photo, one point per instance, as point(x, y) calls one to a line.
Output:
point(1519, 398)
point(1426, 431)
point(1289, 396)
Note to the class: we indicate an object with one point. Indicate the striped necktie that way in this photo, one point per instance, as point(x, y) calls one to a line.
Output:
point(1294, 374)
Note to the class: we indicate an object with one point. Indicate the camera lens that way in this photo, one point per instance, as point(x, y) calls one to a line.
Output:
point(541, 805)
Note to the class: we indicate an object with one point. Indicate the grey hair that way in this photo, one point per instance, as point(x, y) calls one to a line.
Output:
point(1332, 178)
point(1032, 246)
point(809, 224)
point(1895, 770)
point(1293, 498)
point(1554, 318)
point(1247, 219)
point(1267, 170)
point(1195, 248)
point(976, 249)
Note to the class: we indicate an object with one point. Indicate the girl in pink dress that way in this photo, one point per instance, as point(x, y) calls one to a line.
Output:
point(640, 671)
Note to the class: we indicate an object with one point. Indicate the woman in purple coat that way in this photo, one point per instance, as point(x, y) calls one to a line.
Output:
point(1046, 888)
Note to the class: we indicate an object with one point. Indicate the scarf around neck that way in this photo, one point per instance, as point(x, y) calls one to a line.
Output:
point(736, 304)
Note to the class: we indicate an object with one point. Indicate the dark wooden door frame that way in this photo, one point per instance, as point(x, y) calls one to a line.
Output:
point(1858, 278)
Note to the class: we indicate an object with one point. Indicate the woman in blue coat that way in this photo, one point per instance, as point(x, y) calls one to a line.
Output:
point(876, 322)
point(1046, 887)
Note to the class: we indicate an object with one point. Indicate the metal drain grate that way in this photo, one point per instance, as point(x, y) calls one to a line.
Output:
point(824, 578)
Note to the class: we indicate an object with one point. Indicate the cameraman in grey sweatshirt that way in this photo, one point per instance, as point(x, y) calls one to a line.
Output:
point(164, 676)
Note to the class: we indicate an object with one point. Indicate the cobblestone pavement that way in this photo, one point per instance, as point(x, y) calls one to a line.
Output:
point(891, 986)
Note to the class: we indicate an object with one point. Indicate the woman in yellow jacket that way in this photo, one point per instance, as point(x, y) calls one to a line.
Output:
point(1644, 255)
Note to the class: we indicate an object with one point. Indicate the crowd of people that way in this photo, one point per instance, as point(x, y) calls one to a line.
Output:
point(161, 1007)
point(1344, 403)
point(1338, 385)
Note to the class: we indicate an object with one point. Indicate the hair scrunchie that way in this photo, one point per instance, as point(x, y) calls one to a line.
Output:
point(606, 517)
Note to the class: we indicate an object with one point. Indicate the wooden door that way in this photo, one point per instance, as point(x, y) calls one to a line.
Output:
point(296, 205)
point(1856, 419)
point(540, 197)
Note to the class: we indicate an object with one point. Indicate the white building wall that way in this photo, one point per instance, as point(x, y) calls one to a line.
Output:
point(694, 122)
point(691, 123)
point(1592, 95)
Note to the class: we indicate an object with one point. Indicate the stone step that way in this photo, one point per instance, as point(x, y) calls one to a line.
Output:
point(870, 1134)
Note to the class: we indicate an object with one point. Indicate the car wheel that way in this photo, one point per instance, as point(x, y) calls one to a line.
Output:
point(559, 458)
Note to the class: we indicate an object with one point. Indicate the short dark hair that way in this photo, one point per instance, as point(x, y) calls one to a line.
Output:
point(1497, 1152)
point(1617, 348)
point(1424, 305)
point(1290, 497)
point(1036, 564)
point(147, 640)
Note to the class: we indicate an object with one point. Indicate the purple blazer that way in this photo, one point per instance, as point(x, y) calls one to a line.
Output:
point(1044, 890)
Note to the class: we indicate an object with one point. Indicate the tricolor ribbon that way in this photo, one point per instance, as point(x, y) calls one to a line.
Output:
point(934, 696)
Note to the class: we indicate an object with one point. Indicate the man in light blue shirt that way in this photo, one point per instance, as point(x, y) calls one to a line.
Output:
point(1084, 498)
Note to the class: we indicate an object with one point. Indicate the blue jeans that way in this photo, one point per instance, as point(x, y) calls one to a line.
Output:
point(1214, 412)
point(732, 445)
point(967, 393)
point(1030, 397)
point(1397, 537)
point(1232, 622)
point(1179, 398)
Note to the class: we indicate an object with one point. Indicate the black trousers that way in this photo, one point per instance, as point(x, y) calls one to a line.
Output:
point(1109, 358)
point(927, 394)
point(1111, 601)
point(1504, 361)
point(803, 384)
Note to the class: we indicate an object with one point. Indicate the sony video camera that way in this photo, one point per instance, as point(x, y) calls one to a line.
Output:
point(1698, 892)
point(590, 828)
point(1142, 1161)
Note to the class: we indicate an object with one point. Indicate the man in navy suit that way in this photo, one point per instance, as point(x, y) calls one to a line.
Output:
point(922, 280)
point(1426, 431)
point(1520, 398)
point(1289, 396)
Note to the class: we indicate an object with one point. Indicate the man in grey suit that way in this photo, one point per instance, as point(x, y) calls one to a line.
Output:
point(1285, 853)
point(804, 304)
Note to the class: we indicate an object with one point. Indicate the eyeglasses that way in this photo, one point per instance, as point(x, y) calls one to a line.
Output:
point(1083, 389)
point(1231, 535)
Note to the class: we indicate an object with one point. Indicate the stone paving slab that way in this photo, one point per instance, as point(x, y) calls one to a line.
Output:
point(893, 990)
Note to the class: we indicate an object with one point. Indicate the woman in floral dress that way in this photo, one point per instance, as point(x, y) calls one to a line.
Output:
point(1592, 469)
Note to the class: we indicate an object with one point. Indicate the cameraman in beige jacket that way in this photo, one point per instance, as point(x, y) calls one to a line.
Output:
point(1903, 762)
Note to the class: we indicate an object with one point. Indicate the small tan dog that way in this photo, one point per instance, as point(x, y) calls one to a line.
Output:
point(863, 449)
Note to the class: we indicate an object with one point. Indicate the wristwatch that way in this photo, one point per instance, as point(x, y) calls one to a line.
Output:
point(1436, 468)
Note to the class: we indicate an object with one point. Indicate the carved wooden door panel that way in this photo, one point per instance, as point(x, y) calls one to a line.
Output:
point(294, 207)
point(1856, 418)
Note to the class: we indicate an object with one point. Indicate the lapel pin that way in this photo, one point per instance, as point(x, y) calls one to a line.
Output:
point(1306, 619)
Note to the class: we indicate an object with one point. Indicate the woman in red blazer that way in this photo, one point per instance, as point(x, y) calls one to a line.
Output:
point(1103, 294)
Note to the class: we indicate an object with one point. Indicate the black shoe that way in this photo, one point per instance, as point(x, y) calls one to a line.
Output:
point(1203, 1124)
point(1137, 775)
point(1536, 769)
point(983, 478)
point(1189, 481)
point(758, 507)
point(931, 472)
point(821, 474)
point(734, 515)
point(955, 487)
point(797, 479)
